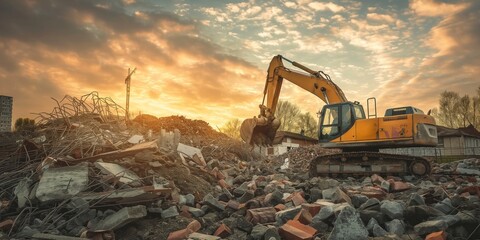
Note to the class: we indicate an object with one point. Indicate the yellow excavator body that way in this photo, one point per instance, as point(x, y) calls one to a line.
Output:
point(344, 125)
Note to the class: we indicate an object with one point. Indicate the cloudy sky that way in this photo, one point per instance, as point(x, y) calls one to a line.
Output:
point(208, 59)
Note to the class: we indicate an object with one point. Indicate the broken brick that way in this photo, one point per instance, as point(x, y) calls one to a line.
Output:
point(294, 230)
point(223, 231)
point(179, 235)
point(437, 236)
point(312, 208)
point(280, 207)
point(6, 225)
point(223, 184)
point(399, 186)
point(304, 217)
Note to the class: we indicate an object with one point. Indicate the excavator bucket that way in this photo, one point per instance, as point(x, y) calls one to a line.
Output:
point(258, 131)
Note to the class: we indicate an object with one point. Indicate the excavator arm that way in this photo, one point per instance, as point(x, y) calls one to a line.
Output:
point(261, 130)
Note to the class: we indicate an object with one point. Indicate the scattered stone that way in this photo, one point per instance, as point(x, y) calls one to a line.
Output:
point(370, 204)
point(258, 232)
point(324, 213)
point(213, 202)
point(288, 214)
point(392, 209)
point(395, 226)
point(430, 226)
point(348, 226)
point(378, 231)
point(358, 200)
point(336, 195)
point(170, 212)
point(415, 199)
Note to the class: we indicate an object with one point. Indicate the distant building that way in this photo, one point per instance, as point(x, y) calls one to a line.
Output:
point(285, 141)
point(6, 105)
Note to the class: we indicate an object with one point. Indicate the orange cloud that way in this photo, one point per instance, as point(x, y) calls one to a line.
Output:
point(77, 47)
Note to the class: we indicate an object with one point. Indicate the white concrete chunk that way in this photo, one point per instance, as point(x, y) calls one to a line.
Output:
point(62, 183)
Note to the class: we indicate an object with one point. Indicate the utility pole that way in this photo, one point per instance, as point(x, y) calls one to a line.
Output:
point(127, 105)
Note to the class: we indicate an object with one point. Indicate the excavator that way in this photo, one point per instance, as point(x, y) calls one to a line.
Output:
point(344, 125)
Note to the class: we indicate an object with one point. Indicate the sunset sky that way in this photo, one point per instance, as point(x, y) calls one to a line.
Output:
point(208, 59)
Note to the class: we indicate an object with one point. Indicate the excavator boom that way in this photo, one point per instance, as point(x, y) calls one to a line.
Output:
point(343, 125)
point(261, 130)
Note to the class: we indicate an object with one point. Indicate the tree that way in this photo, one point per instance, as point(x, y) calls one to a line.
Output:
point(232, 128)
point(24, 126)
point(455, 111)
point(287, 113)
point(464, 110)
point(308, 124)
point(449, 109)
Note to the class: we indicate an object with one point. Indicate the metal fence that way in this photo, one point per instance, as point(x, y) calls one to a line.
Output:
point(438, 154)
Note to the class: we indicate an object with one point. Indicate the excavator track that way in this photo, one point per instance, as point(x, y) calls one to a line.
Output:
point(368, 163)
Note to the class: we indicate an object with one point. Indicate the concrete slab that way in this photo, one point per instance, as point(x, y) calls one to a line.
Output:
point(126, 176)
point(62, 183)
point(191, 152)
point(121, 218)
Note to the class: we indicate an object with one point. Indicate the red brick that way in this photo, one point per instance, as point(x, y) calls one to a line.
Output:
point(304, 217)
point(261, 215)
point(437, 236)
point(280, 207)
point(294, 230)
point(297, 198)
point(223, 184)
point(194, 226)
point(377, 179)
point(179, 235)
point(223, 231)
point(399, 186)
point(233, 205)
point(312, 208)
point(6, 225)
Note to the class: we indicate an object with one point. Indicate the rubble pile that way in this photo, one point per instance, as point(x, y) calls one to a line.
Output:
point(186, 126)
point(299, 158)
point(86, 175)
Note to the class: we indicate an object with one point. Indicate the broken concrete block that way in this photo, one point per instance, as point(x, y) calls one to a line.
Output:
point(121, 218)
point(336, 195)
point(430, 226)
point(282, 217)
point(135, 139)
point(201, 236)
point(393, 209)
point(62, 183)
point(395, 226)
point(126, 176)
point(213, 202)
point(22, 192)
point(261, 215)
point(378, 231)
point(258, 232)
point(170, 212)
point(191, 152)
point(348, 225)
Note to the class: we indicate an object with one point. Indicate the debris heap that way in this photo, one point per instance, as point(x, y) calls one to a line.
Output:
point(85, 174)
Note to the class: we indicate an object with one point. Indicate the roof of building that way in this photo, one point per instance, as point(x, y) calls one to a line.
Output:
point(458, 132)
point(280, 135)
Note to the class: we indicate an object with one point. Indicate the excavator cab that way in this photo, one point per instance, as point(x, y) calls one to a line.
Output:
point(336, 119)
